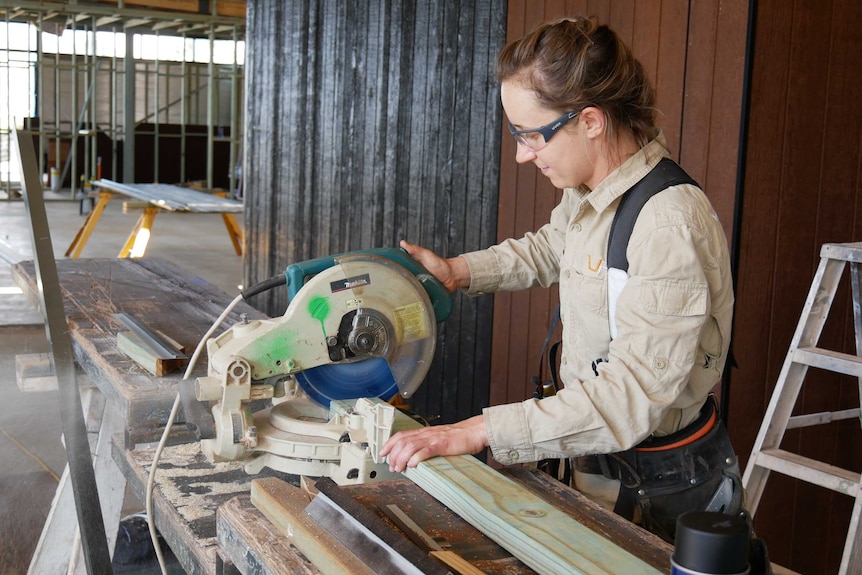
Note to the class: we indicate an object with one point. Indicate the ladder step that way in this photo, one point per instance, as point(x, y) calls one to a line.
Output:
point(822, 418)
point(829, 360)
point(806, 469)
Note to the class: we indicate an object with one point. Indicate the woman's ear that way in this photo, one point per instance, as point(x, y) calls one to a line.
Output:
point(594, 121)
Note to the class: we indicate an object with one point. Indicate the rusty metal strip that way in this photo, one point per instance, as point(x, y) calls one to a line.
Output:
point(156, 344)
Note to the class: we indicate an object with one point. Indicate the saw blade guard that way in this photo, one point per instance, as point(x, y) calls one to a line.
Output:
point(379, 326)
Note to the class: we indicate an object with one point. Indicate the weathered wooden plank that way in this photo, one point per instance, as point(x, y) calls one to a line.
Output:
point(530, 528)
point(438, 522)
point(174, 302)
point(189, 490)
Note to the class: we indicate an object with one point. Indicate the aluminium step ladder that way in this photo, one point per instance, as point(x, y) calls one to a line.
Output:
point(766, 455)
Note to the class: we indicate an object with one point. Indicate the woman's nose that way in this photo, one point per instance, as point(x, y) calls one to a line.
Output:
point(524, 154)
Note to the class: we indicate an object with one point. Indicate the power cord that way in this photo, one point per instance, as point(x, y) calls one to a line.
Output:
point(266, 285)
point(151, 480)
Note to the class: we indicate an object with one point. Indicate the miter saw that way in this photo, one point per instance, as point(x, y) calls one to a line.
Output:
point(360, 329)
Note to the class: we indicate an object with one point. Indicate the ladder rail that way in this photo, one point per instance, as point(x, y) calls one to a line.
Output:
point(784, 396)
point(857, 314)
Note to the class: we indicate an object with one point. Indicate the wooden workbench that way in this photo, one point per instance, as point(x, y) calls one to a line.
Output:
point(163, 297)
point(246, 537)
point(190, 490)
point(203, 509)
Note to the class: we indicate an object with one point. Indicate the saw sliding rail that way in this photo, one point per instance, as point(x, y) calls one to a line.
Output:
point(92, 528)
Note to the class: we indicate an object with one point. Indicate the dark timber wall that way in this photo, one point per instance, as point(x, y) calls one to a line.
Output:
point(803, 188)
point(368, 122)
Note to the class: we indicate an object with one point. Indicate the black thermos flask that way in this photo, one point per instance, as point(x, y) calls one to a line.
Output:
point(710, 543)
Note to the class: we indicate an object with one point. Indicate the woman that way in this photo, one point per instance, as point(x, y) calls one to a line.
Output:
point(581, 109)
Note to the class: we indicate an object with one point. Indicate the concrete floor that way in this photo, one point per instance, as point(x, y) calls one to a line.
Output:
point(30, 449)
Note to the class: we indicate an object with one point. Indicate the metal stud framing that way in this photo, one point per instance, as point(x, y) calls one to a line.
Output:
point(80, 97)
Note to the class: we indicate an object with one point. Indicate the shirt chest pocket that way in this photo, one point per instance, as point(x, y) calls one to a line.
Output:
point(586, 292)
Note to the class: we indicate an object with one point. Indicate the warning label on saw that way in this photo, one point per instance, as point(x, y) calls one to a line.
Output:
point(412, 321)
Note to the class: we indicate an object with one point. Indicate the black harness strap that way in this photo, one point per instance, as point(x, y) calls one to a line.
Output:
point(667, 173)
point(664, 175)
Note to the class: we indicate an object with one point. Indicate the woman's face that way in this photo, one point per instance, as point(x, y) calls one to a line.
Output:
point(565, 158)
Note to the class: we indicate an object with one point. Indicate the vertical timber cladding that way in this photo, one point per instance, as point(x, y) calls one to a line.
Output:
point(369, 122)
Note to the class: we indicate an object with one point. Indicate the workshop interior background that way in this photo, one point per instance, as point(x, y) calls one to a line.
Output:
point(349, 125)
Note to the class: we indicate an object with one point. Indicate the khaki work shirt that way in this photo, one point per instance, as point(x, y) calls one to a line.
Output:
point(673, 318)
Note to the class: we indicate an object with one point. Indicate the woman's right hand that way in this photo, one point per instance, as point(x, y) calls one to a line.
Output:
point(452, 273)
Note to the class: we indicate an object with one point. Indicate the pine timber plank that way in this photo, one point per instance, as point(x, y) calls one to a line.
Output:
point(284, 505)
point(640, 542)
point(255, 545)
point(536, 532)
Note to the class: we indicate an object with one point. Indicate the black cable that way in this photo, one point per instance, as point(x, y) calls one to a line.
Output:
point(724, 410)
point(263, 286)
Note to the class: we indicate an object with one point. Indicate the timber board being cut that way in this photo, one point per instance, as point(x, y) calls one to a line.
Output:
point(539, 534)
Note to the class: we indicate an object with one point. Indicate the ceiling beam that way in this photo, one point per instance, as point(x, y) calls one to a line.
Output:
point(107, 10)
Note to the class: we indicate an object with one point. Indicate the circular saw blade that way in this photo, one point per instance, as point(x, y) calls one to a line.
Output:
point(373, 287)
point(367, 378)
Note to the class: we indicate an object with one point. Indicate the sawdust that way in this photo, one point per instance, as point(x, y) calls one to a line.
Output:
point(195, 487)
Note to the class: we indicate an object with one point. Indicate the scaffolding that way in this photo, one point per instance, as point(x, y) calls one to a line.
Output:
point(111, 89)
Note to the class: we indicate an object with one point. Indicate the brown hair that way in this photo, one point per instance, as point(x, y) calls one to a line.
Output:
point(574, 63)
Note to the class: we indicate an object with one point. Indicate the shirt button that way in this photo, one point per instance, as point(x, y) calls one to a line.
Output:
point(568, 273)
point(577, 227)
point(513, 455)
point(660, 363)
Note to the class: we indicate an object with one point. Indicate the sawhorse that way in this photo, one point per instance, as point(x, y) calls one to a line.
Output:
point(136, 244)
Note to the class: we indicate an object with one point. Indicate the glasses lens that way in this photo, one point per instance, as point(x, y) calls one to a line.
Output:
point(533, 140)
point(539, 138)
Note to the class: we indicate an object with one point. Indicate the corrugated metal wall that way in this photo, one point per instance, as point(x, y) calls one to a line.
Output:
point(369, 122)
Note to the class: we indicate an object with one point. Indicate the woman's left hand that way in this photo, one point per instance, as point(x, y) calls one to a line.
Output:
point(408, 448)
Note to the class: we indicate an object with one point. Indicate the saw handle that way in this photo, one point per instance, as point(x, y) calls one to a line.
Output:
point(441, 299)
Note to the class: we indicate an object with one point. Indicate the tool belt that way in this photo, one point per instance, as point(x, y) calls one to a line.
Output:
point(666, 476)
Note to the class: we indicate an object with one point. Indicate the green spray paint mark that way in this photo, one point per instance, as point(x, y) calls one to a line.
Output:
point(318, 307)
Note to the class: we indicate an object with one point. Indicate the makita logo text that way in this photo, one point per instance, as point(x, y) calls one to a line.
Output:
point(350, 283)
